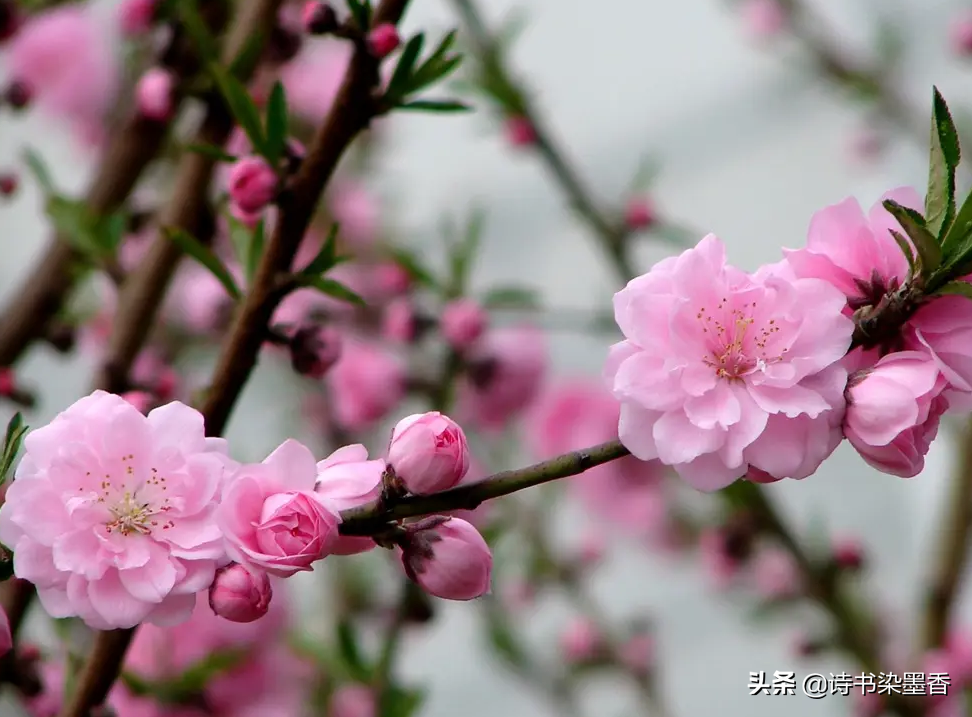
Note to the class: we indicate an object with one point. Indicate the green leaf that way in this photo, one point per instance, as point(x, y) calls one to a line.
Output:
point(516, 297)
point(241, 106)
point(350, 652)
point(14, 437)
point(276, 123)
point(924, 241)
point(205, 256)
point(254, 251)
point(239, 238)
point(136, 685)
point(326, 257)
point(959, 288)
point(464, 252)
point(413, 265)
point(195, 679)
point(195, 26)
point(78, 226)
point(906, 249)
point(361, 12)
point(438, 65)
point(209, 150)
point(332, 288)
point(401, 702)
point(959, 232)
point(249, 56)
point(944, 158)
point(399, 83)
point(39, 169)
point(435, 106)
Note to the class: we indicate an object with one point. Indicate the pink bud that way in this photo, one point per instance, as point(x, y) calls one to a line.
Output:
point(8, 184)
point(153, 94)
point(776, 574)
point(239, 595)
point(960, 34)
point(314, 350)
point(520, 131)
point(448, 559)
point(764, 18)
point(353, 701)
point(318, 18)
point(8, 383)
point(637, 653)
point(463, 322)
point(399, 321)
point(428, 453)
point(383, 40)
point(136, 16)
point(142, 400)
point(592, 549)
point(252, 185)
point(580, 641)
point(639, 214)
point(849, 554)
point(392, 279)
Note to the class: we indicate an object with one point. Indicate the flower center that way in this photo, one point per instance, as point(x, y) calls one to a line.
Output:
point(139, 510)
point(737, 346)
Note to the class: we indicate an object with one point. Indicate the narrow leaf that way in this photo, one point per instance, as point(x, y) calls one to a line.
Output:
point(960, 288)
point(906, 249)
point(360, 14)
point(333, 288)
point(39, 169)
point(16, 430)
point(435, 106)
point(248, 57)
point(254, 251)
point(326, 257)
point(399, 83)
point(944, 158)
point(276, 123)
point(924, 241)
point(517, 297)
point(239, 238)
point(210, 151)
point(959, 231)
point(401, 702)
point(437, 65)
point(241, 106)
point(196, 28)
point(350, 651)
point(411, 264)
point(205, 256)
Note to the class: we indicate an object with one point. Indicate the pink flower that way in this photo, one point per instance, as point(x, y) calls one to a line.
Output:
point(448, 558)
point(712, 354)
point(111, 513)
point(358, 213)
point(428, 453)
point(519, 131)
point(366, 384)
point(399, 322)
point(64, 59)
point(580, 641)
point(313, 77)
point(637, 653)
point(720, 562)
point(136, 16)
point(239, 594)
point(848, 553)
point(352, 700)
point(854, 252)
point(383, 40)
point(775, 574)
point(392, 279)
point(154, 94)
point(639, 213)
point(463, 322)
point(252, 184)
point(942, 328)
point(507, 367)
point(960, 34)
point(764, 18)
point(347, 479)
point(199, 302)
point(271, 516)
point(893, 411)
point(627, 493)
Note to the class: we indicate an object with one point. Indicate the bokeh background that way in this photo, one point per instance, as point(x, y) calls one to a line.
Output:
point(749, 141)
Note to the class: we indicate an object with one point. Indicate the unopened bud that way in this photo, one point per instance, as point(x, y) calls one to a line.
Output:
point(849, 554)
point(463, 322)
point(428, 453)
point(580, 641)
point(639, 214)
point(252, 185)
point(154, 94)
point(239, 595)
point(448, 558)
point(520, 132)
point(8, 184)
point(383, 40)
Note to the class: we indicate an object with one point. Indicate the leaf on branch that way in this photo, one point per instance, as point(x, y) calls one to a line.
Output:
point(515, 297)
point(195, 679)
point(399, 83)
point(925, 243)
point(959, 288)
point(331, 288)
point(241, 106)
point(436, 106)
point(195, 26)
point(439, 65)
point(361, 12)
point(350, 652)
point(944, 158)
point(38, 168)
point(906, 249)
point(327, 257)
point(959, 234)
point(410, 262)
point(245, 62)
point(276, 124)
point(401, 701)
point(13, 439)
point(95, 237)
point(205, 256)
point(463, 252)
point(209, 150)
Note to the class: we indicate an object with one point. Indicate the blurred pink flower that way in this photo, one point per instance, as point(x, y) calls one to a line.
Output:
point(960, 33)
point(313, 77)
point(764, 18)
point(358, 213)
point(353, 700)
point(580, 640)
point(198, 301)
point(366, 384)
point(775, 574)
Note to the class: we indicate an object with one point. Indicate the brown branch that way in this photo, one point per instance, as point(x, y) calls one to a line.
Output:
point(351, 113)
point(946, 578)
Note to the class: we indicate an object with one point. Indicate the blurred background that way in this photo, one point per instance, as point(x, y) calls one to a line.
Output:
point(748, 138)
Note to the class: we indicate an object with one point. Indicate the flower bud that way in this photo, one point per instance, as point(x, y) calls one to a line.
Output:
point(428, 453)
point(392, 279)
point(639, 214)
point(314, 350)
point(764, 19)
point(154, 93)
point(520, 132)
point(463, 322)
point(580, 641)
point(383, 39)
point(136, 16)
point(849, 554)
point(398, 322)
point(8, 382)
point(8, 184)
point(960, 34)
point(239, 595)
point(252, 185)
point(447, 558)
point(318, 18)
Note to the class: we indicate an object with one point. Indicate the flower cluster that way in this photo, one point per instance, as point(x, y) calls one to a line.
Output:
point(121, 518)
point(725, 374)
